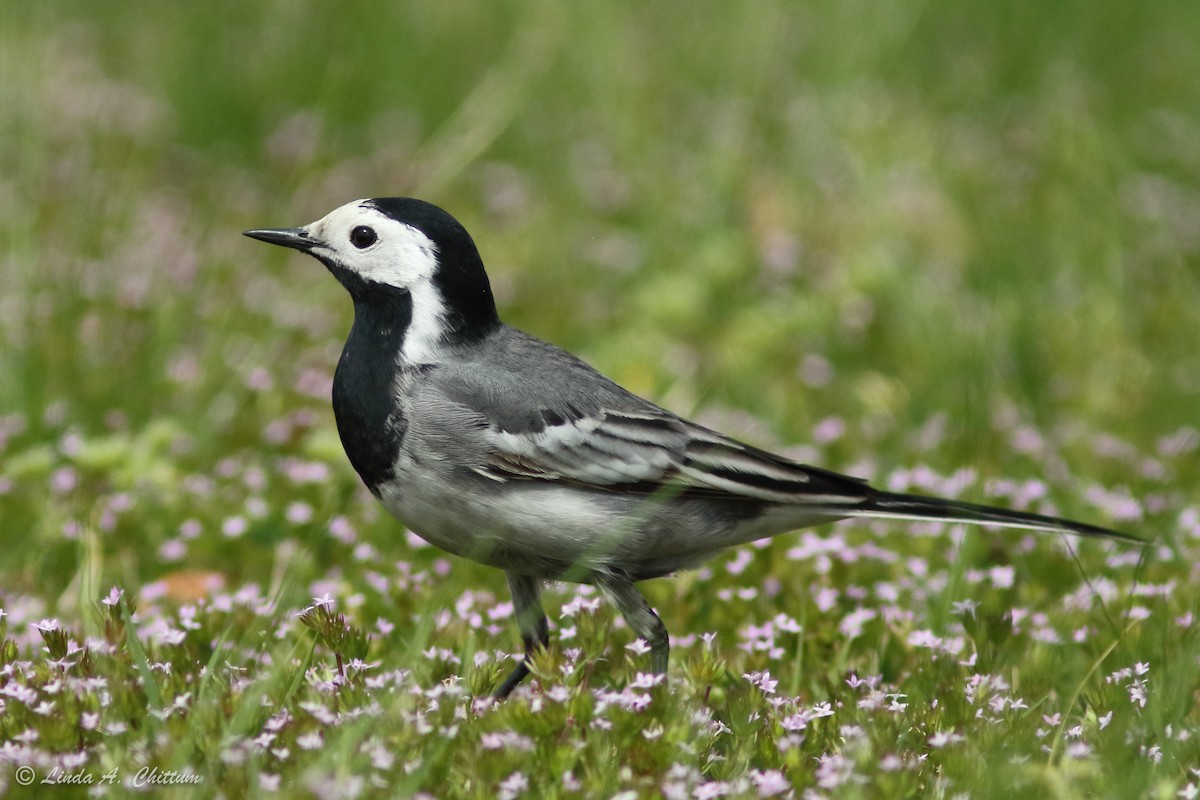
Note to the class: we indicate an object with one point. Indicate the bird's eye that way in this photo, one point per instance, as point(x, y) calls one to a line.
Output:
point(363, 237)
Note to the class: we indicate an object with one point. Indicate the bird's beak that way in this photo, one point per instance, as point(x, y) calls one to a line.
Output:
point(296, 238)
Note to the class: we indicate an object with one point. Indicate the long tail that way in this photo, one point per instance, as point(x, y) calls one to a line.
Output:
point(887, 505)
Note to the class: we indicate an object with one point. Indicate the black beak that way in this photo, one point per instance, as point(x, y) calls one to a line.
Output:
point(296, 238)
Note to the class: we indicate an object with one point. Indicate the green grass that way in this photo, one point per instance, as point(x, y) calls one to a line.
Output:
point(946, 234)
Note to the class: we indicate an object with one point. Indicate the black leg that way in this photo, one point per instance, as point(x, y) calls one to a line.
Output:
point(621, 592)
point(531, 619)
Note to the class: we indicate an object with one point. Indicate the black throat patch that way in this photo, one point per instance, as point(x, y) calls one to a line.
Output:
point(370, 424)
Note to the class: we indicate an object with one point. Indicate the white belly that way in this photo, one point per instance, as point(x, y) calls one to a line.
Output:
point(525, 524)
point(553, 530)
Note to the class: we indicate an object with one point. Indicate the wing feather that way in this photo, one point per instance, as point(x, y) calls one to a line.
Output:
point(543, 414)
point(651, 451)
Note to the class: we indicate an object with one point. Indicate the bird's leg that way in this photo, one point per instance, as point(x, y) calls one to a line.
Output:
point(531, 619)
point(620, 591)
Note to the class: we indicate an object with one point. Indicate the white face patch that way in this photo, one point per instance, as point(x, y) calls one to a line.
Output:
point(395, 254)
point(399, 255)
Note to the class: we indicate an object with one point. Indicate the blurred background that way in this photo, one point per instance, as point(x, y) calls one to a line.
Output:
point(877, 236)
point(951, 246)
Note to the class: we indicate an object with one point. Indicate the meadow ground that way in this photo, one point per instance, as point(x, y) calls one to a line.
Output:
point(953, 247)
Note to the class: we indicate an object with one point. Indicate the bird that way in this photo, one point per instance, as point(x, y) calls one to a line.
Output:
point(499, 447)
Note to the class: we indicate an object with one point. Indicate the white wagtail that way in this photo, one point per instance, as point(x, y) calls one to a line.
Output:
point(499, 447)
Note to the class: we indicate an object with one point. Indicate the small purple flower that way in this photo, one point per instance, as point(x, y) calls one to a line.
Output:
point(852, 624)
point(826, 598)
point(821, 710)
point(172, 550)
point(638, 646)
point(854, 681)
point(942, 739)
point(299, 513)
point(1137, 693)
point(829, 430)
point(64, 480)
point(769, 783)
point(580, 603)
point(1137, 613)
point(710, 790)
point(964, 607)
point(647, 680)
point(259, 380)
point(382, 759)
point(310, 741)
point(763, 681)
point(341, 529)
point(815, 370)
point(513, 786)
point(235, 526)
point(741, 559)
point(834, 770)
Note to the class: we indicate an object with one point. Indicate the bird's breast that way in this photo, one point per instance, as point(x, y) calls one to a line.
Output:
point(367, 392)
point(370, 425)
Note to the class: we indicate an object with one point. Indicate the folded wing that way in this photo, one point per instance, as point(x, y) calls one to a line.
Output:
point(649, 450)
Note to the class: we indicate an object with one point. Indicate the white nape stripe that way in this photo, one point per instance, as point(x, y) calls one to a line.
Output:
point(426, 331)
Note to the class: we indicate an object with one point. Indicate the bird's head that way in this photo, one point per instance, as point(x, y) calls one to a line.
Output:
point(398, 250)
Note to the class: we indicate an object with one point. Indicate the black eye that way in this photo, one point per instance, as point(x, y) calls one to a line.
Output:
point(363, 237)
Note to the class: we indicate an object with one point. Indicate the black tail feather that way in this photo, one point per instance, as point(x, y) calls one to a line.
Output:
point(911, 506)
